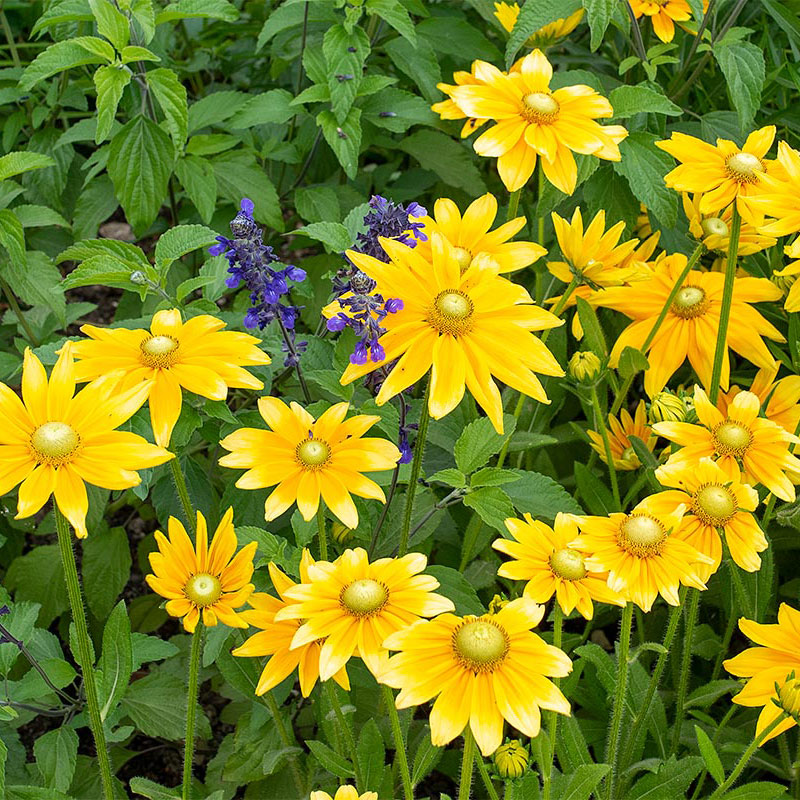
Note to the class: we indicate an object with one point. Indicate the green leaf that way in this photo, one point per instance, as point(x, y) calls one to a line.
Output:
point(121, 251)
point(64, 55)
point(760, 790)
point(672, 780)
point(111, 22)
point(492, 504)
point(171, 96)
point(603, 663)
point(16, 163)
point(38, 577)
point(425, 759)
point(595, 493)
point(215, 108)
point(149, 648)
point(492, 476)
point(631, 362)
point(196, 175)
point(238, 175)
point(3, 759)
point(371, 754)
point(330, 759)
point(56, 754)
point(110, 83)
point(345, 53)
point(134, 53)
point(333, 235)
point(540, 496)
point(157, 705)
point(198, 9)
point(419, 63)
point(592, 330)
point(395, 15)
point(579, 784)
point(318, 204)
point(450, 160)
point(644, 166)
point(152, 790)
point(106, 568)
point(709, 754)
point(344, 139)
point(450, 477)
point(271, 107)
point(742, 64)
point(140, 163)
point(19, 623)
point(65, 11)
point(12, 237)
point(101, 270)
point(629, 100)
point(38, 282)
point(455, 587)
point(34, 216)
point(479, 441)
point(179, 241)
point(116, 660)
point(708, 694)
point(598, 15)
point(784, 17)
point(397, 110)
point(534, 16)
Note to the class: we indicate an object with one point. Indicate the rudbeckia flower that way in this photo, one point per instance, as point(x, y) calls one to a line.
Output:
point(664, 14)
point(542, 556)
point(619, 430)
point(777, 658)
point(547, 35)
point(533, 120)
point(641, 553)
point(790, 272)
point(472, 239)
point(274, 639)
point(715, 503)
point(467, 327)
point(53, 441)
point(309, 459)
point(690, 327)
point(482, 671)
point(447, 109)
point(722, 174)
point(345, 793)
point(194, 355)
point(778, 196)
point(354, 605)
point(739, 439)
point(213, 581)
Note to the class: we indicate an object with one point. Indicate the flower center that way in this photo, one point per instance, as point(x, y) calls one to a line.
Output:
point(714, 226)
point(744, 166)
point(159, 352)
point(567, 564)
point(642, 535)
point(464, 258)
point(690, 302)
point(54, 442)
point(313, 453)
point(714, 505)
point(480, 645)
point(203, 589)
point(364, 598)
point(451, 312)
point(732, 439)
point(539, 107)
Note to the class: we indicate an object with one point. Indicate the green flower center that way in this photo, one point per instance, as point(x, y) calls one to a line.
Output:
point(744, 166)
point(159, 352)
point(568, 564)
point(540, 107)
point(642, 535)
point(54, 442)
point(364, 598)
point(463, 257)
point(203, 589)
point(714, 226)
point(451, 312)
point(313, 453)
point(714, 505)
point(480, 645)
point(732, 439)
point(690, 302)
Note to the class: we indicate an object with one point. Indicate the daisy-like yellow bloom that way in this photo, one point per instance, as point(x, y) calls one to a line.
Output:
point(737, 440)
point(309, 459)
point(447, 109)
point(482, 671)
point(195, 355)
point(777, 658)
point(274, 639)
point(354, 605)
point(790, 273)
point(690, 327)
point(714, 231)
point(716, 503)
point(466, 327)
point(532, 120)
point(345, 793)
point(641, 553)
point(722, 174)
point(664, 14)
point(213, 581)
point(778, 197)
point(543, 557)
point(53, 441)
point(472, 239)
point(507, 14)
point(619, 431)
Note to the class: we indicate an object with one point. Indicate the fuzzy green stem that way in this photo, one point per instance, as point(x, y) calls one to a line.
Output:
point(183, 492)
point(513, 204)
point(11, 298)
point(601, 426)
point(288, 741)
point(693, 602)
point(416, 468)
point(768, 509)
point(346, 731)
point(485, 777)
point(725, 311)
point(84, 651)
point(191, 707)
point(619, 698)
point(552, 716)
point(399, 743)
point(322, 533)
point(467, 765)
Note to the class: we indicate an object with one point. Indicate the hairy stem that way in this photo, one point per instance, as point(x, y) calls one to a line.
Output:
point(612, 746)
point(399, 743)
point(416, 468)
point(191, 707)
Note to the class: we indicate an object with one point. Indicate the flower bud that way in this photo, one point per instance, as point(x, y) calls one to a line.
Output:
point(667, 407)
point(714, 226)
point(783, 282)
point(584, 366)
point(511, 759)
point(497, 603)
point(789, 696)
point(139, 278)
point(341, 533)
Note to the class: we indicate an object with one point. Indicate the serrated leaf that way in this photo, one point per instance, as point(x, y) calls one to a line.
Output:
point(534, 16)
point(454, 586)
point(152, 790)
point(238, 175)
point(179, 241)
point(592, 330)
point(135, 53)
point(492, 504)
point(101, 270)
point(479, 441)
point(344, 139)
point(395, 15)
point(111, 23)
point(450, 160)
point(271, 107)
point(371, 754)
point(56, 754)
point(759, 790)
point(39, 578)
point(742, 64)
point(116, 660)
point(345, 53)
point(598, 15)
point(198, 9)
point(540, 496)
point(12, 237)
point(580, 784)
point(631, 362)
point(629, 100)
point(671, 780)
point(64, 11)
point(594, 493)
point(215, 108)
point(171, 96)
point(196, 175)
point(492, 476)
point(64, 55)
point(16, 163)
point(425, 759)
point(330, 759)
point(450, 477)
point(397, 110)
point(157, 705)
point(105, 568)
point(333, 235)
point(110, 83)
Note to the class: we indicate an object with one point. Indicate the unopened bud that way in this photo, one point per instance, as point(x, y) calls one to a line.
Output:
point(584, 366)
point(667, 407)
point(497, 603)
point(714, 226)
point(511, 759)
point(341, 533)
point(784, 282)
point(139, 278)
point(789, 696)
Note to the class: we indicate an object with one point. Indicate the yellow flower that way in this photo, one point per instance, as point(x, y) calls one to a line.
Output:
point(274, 639)
point(690, 327)
point(211, 580)
point(53, 441)
point(778, 196)
point(511, 759)
point(543, 557)
point(773, 662)
point(532, 120)
point(641, 553)
point(789, 272)
point(308, 459)
point(714, 231)
point(643, 227)
point(723, 174)
point(739, 439)
point(468, 328)
point(482, 670)
point(195, 355)
point(355, 605)
point(584, 366)
point(619, 431)
point(447, 109)
point(345, 793)
point(716, 504)
point(474, 243)
point(548, 34)
point(664, 14)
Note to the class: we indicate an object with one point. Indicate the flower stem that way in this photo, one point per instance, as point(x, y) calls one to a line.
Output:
point(11, 297)
point(288, 741)
point(347, 733)
point(725, 311)
point(416, 468)
point(191, 707)
point(558, 623)
point(399, 743)
point(323, 536)
point(601, 426)
point(513, 204)
point(693, 601)
point(183, 491)
point(292, 350)
point(619, 698)
point(467, 765)
point(84, 650)
point(485, 777)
